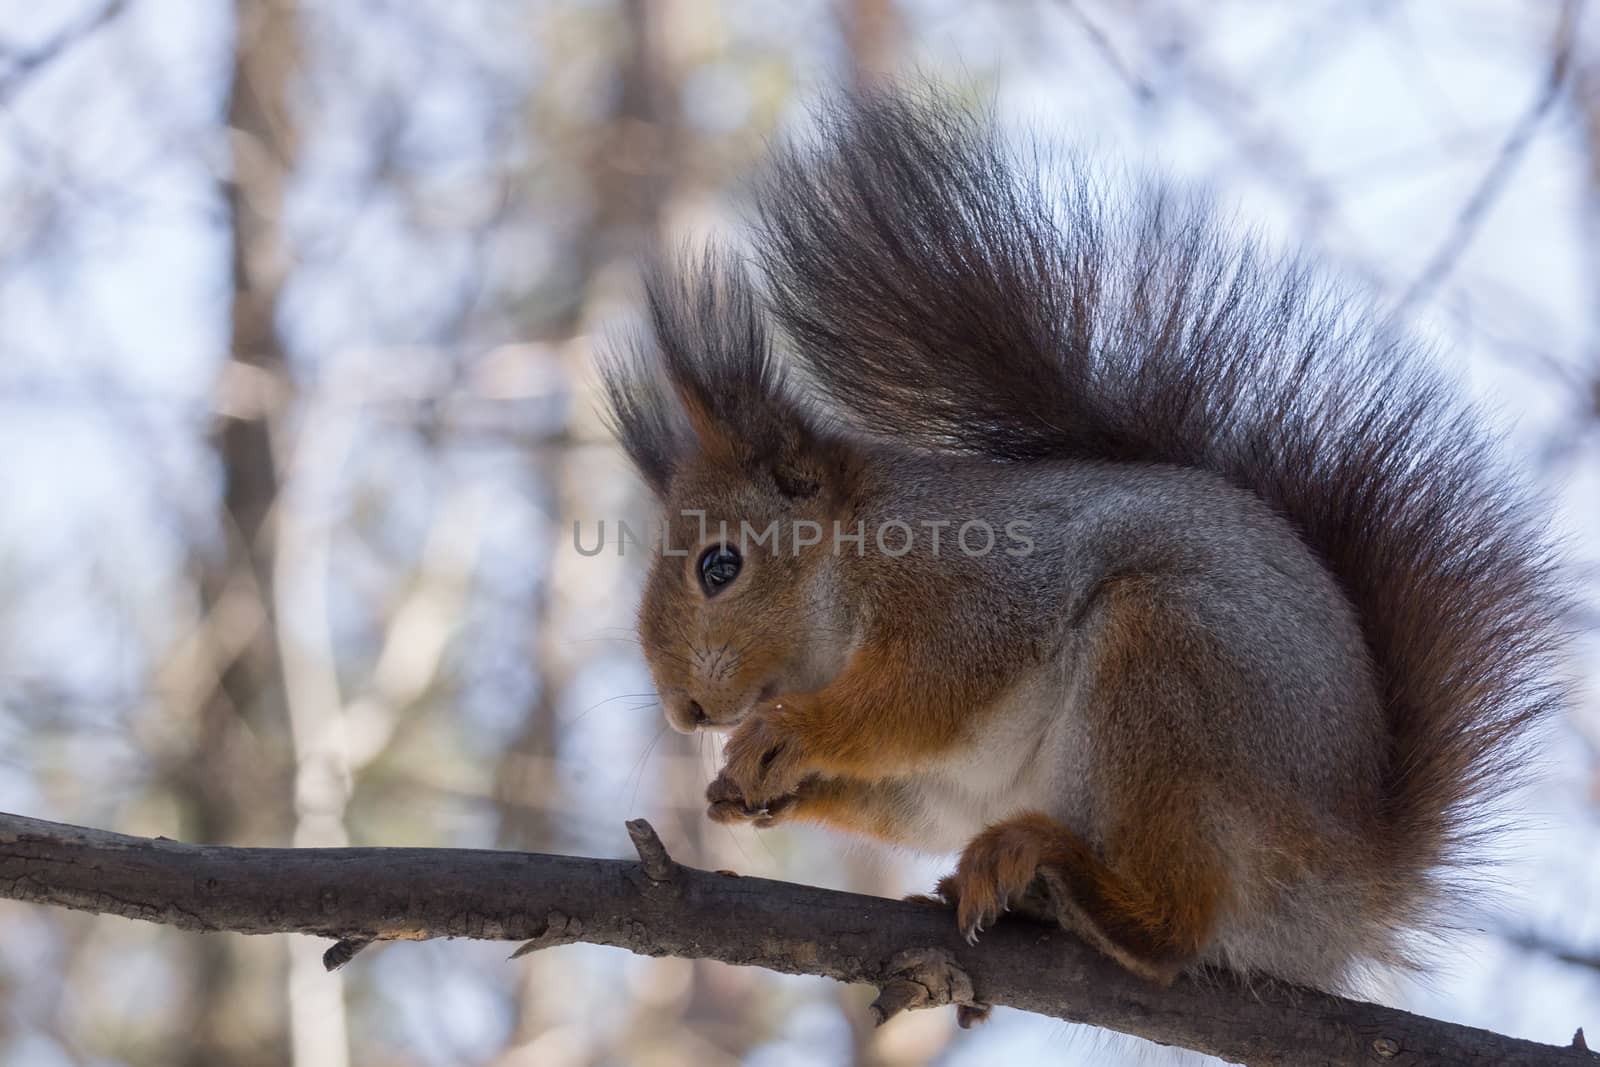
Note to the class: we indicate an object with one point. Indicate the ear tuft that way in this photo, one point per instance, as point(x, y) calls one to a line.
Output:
point(706, 380)
point(711, 333)
point(703, 380)
point(643, 412)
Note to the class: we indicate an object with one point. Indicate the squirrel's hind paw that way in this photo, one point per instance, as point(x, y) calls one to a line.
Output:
point(1000, 871)
point(943, 895)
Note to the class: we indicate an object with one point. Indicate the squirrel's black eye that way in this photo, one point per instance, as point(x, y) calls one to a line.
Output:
point(719, 565)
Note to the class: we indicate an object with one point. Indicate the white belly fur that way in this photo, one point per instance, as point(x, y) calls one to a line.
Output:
point(1027, 756)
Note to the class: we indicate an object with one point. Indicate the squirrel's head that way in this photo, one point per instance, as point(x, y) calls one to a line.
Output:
point(742, 601)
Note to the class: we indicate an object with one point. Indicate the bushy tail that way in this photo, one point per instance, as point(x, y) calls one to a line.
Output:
point(949, 292)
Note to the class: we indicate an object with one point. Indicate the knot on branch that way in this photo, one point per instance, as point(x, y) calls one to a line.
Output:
point(927, 978)
point(559, 929)
point(342, 952)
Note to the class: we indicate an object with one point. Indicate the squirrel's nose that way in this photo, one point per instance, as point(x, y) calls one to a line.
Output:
point(697, 713)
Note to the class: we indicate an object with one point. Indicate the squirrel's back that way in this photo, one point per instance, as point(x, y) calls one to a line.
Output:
point(954, 297)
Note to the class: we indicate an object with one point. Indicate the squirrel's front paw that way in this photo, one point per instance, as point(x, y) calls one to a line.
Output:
point(726, 804)
point(764, 765)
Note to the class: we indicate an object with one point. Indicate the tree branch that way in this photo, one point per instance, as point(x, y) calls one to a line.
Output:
point(911, 952)
point(21, 66)
point(1470, 218)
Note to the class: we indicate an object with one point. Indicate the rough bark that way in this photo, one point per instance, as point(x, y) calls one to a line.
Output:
point(656, 907)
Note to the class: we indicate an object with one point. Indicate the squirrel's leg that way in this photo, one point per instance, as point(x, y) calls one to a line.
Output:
point(1152, 908)
point(880, 718)
point(875, 809)
point(1150, 891)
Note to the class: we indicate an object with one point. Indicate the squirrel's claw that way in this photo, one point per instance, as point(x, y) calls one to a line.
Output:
point(976, 913)
point(775, 812)
point(996, 869)
point(725, 803)
point(730, 811)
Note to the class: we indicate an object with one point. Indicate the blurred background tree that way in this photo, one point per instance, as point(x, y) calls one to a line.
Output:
point(298, 306)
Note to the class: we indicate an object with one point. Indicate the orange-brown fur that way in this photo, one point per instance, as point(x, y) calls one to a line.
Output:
point(1149, 910)
point(874, 721)
point(1287, 625)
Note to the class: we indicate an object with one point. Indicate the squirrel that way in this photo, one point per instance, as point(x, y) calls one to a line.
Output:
point(1067, 531)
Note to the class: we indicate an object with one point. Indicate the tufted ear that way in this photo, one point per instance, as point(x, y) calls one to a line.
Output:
point(708, 384)
point(643, 411)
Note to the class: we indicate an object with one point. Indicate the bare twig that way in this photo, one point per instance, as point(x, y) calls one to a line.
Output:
point(658, 866)
point(911, 952)
point(1470, 218)
point(1563, 953)
point(22, 66)
point(1136, 82)
point(343, 951)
